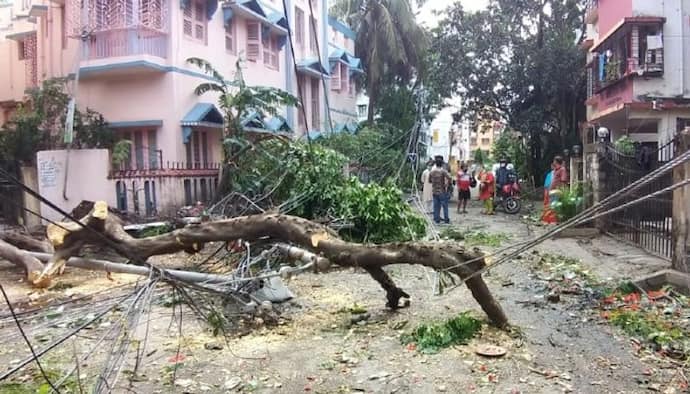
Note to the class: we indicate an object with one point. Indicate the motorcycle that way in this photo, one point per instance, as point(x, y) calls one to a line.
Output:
point(509, 197)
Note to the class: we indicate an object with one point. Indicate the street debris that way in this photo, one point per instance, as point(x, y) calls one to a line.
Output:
point(433, 337)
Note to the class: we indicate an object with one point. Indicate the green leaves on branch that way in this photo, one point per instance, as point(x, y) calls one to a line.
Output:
point(38, 124)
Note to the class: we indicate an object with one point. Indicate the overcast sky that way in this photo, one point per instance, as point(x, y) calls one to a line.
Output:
point(427, 16)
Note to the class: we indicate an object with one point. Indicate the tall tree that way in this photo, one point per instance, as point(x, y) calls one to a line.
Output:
point(518, 61)
point(389, 41)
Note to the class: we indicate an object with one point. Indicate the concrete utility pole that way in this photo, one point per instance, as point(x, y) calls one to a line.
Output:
point(681, 206)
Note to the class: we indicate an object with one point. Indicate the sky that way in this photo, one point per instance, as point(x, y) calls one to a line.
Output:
point(426, 14)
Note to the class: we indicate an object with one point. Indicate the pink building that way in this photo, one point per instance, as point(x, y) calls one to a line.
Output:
point(130, 58)
point(638, 68)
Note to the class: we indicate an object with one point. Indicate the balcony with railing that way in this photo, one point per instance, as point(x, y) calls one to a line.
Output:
point(636, 48)
point(120, 31)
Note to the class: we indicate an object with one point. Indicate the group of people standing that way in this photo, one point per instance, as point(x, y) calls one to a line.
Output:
point(438, 188)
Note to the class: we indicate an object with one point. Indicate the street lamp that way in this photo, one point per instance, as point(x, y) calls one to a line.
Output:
point(603, 134)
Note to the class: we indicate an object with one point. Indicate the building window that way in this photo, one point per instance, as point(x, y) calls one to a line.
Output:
point(315, 108)
point(362, 110)
point(314, 37)
point(197, 150)
point(121, 195)
point(150, 197)
point(188, 192)
point(335, 78)
point(344, 78)
point(486, 141)
point(63, 26)
point(194, 20)
point(21, 50)
point(143, 150)
point(271, 52)
point(299, 26)
point(302, 87)
point(253, 41)
point(230, 45)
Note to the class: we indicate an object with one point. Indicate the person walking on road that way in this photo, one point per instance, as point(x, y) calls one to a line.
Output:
point(464, 182)
point(440, 180)
point(427, 196)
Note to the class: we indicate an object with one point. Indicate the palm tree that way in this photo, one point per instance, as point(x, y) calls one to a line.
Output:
point(389, 41)
point(239, 101)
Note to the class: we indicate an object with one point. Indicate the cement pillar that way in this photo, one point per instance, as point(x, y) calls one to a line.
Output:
point(681, 206)
point(29, 177)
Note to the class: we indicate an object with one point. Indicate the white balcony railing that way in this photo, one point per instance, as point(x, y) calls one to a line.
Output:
point(127, 42)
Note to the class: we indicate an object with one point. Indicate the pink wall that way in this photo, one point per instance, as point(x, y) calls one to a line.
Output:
point(611, 12)
point(614, 97)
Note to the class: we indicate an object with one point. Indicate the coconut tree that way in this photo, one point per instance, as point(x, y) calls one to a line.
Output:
point(389, 41)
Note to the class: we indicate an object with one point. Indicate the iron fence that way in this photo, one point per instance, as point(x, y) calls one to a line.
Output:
point(647, 224)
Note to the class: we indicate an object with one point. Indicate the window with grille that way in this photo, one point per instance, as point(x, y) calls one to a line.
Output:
point(194, 20)
point(271, 52)
point(197, 151)
point(313, 24)
point(315, 110)
point(253, 41)
point(299, 26)
point(230, 38)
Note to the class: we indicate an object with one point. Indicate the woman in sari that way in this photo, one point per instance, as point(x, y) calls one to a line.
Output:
point(548, 215)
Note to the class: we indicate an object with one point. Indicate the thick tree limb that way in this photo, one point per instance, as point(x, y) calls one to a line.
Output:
point(31, 265)
point(105, 230)
point(26, 242)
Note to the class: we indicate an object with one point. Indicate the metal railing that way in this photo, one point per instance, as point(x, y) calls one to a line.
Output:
point(127, 42)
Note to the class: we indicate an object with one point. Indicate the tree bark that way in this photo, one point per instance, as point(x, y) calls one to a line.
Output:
point(105, 230)
point(31, 265)
point(26, 242)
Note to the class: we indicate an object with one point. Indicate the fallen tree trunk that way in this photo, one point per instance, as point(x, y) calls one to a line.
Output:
point(31, 265)
point(100, 228)
point(26, 242)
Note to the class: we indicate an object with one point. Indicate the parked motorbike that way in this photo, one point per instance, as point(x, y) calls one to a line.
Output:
point(509, 197)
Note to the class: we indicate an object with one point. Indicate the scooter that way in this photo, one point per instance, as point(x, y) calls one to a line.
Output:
point(509, 197)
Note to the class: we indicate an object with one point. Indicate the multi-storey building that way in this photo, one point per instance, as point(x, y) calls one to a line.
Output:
point(129, 58)
point(638, 69)
point(484, 136)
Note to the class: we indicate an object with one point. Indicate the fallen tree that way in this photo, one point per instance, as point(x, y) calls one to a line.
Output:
point(99, 228)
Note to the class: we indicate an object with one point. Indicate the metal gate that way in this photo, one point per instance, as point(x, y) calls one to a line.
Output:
point(649, 223)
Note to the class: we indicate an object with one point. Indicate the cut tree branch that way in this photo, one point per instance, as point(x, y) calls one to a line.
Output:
point(102, 229)
point(31, 265)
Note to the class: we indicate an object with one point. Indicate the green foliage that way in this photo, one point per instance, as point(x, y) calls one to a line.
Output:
point(389, 41)
point(120, 152)
point(625, 145)
point(474, 237)
point(311, 182)
point(518, 61)
point(238, 100)
point(375, 151)
point(480, 157)
point(38, 124)
point(433, 337)
point(379, 214)
point(645, 325)
point(569, 203)
point(36, 383)
point(511, 146)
